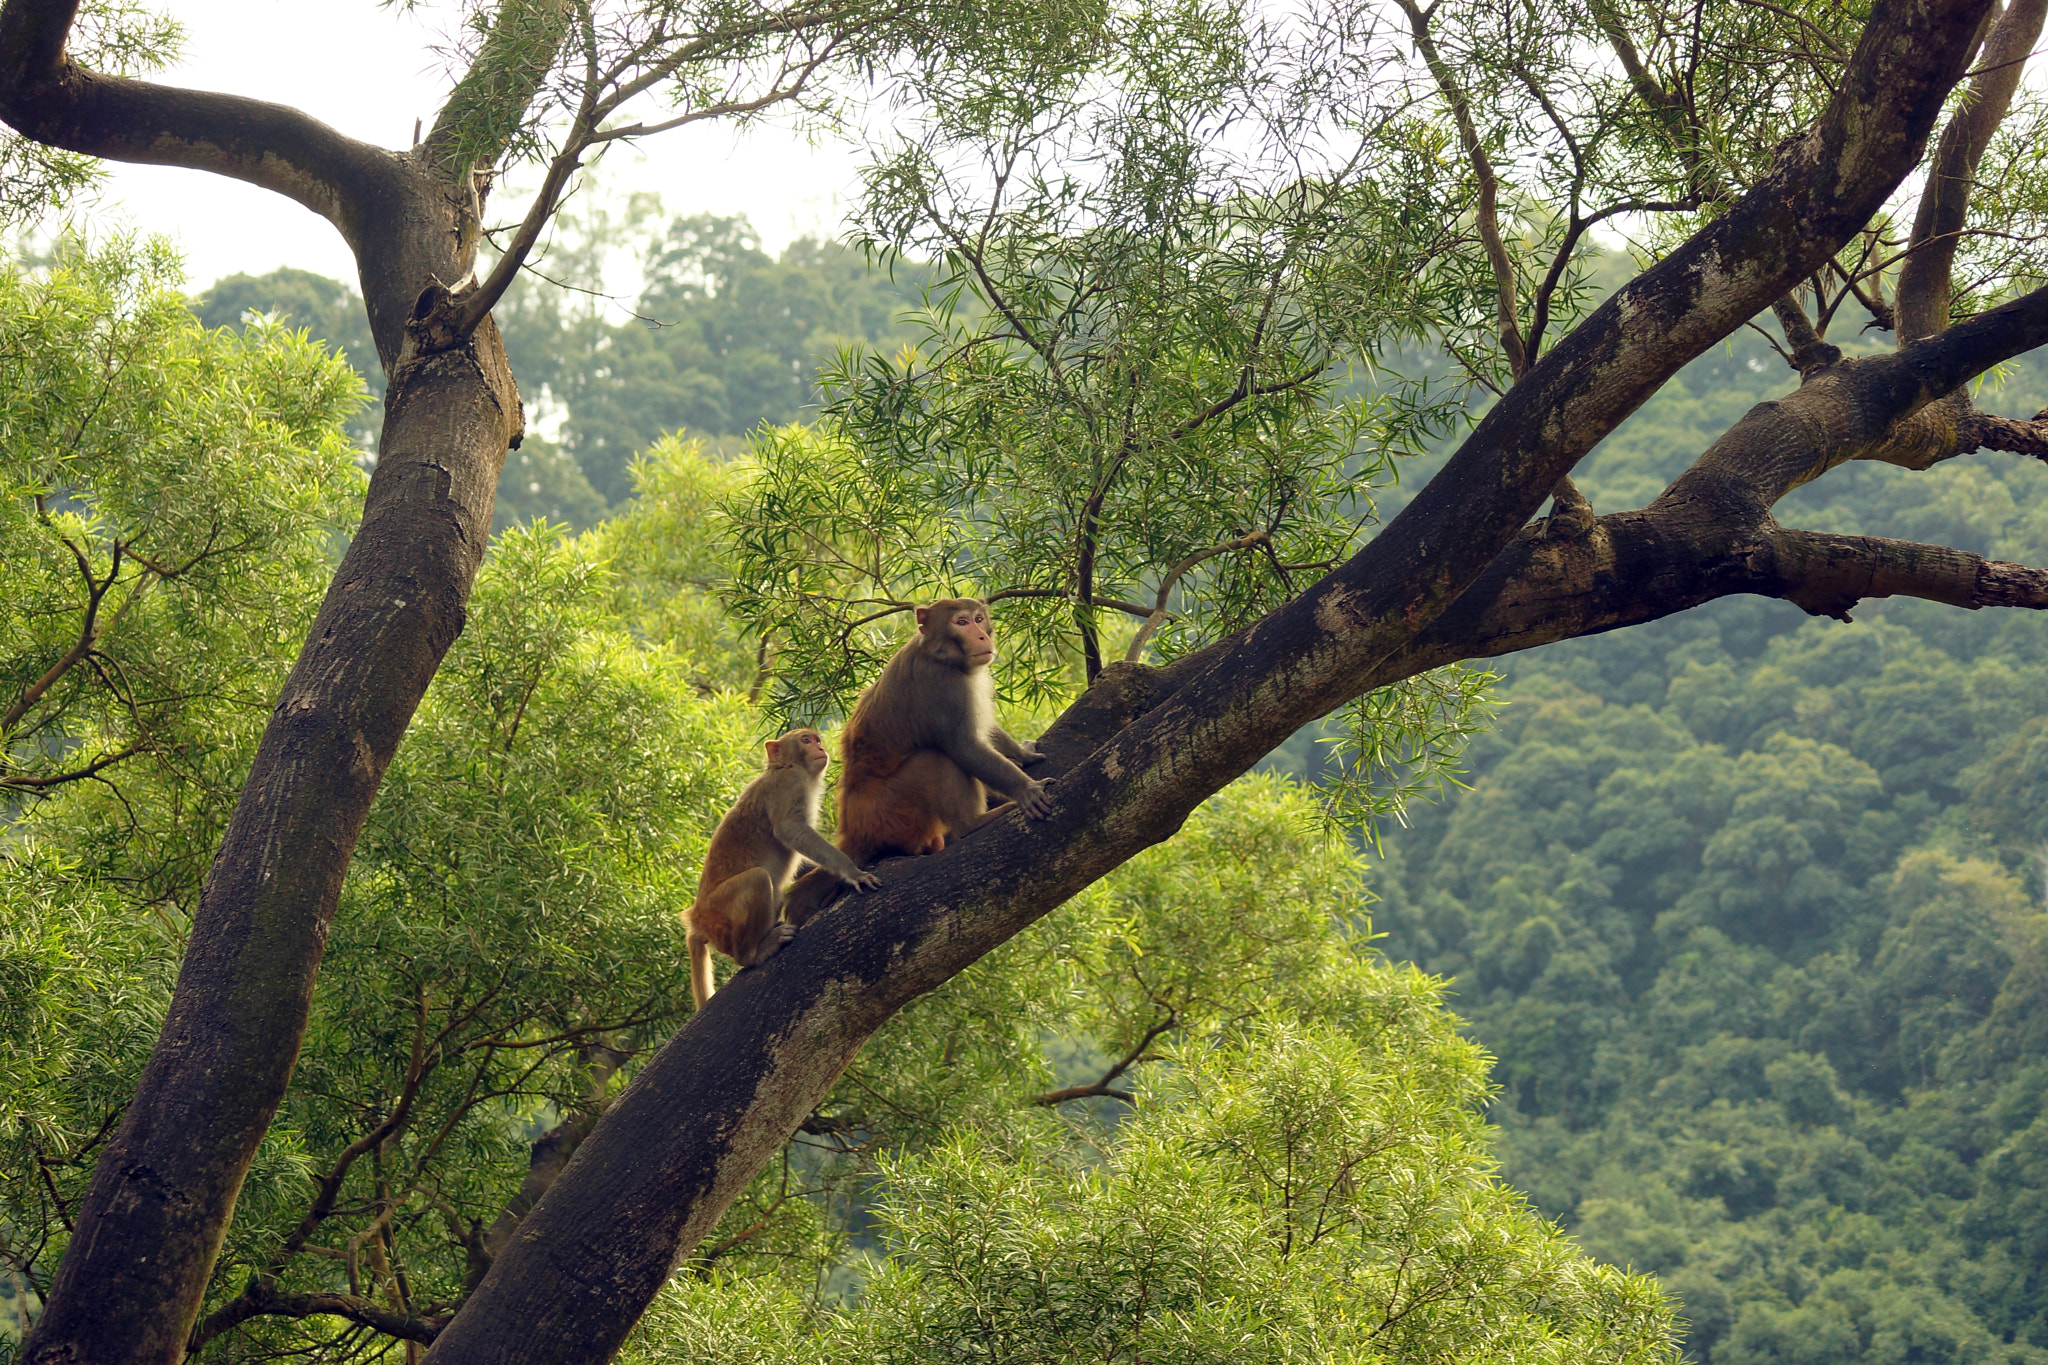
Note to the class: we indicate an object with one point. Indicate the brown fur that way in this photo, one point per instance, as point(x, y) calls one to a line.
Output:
point(752, 856)
point(922, 748)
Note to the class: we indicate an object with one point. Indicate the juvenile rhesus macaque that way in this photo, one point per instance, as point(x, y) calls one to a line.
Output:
point(752, 855)
point(922, 749)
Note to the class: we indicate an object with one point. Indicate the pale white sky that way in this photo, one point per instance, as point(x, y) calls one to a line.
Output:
point(371, 71)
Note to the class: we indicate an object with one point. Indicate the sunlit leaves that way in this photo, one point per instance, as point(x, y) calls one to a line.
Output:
point(169, 500)
point(1401, 744)
point(1302, 1194)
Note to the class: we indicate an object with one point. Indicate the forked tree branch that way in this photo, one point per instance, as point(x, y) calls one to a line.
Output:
point(1136, 755)
point(1157, 616)
point(1103, 1085)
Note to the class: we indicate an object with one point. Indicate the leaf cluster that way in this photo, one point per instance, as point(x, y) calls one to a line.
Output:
point(170, 498)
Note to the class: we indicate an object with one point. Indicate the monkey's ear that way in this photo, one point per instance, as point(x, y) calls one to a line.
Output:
point(774, 748)
point(923, 615)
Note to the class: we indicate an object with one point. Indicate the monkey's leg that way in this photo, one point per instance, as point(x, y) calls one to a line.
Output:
point(905, 812)
point(809, 894)
point(745, 906)
point(962, 831)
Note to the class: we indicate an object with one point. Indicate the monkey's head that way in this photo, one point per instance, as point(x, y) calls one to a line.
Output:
point(798, 749)
point(956, 631)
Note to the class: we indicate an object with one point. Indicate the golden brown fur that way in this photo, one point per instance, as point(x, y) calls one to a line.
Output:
point(752, 856)
point(922, 748)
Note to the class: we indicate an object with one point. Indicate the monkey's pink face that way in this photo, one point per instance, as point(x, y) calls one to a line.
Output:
point(972, 626)
point(811, 750)
point(806, 747)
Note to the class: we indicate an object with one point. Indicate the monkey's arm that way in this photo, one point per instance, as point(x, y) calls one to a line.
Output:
point(980, 759)
point(798, 836)
point(1018, 752)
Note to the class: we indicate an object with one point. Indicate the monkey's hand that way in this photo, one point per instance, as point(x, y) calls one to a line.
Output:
point(1031, 754)
point(1035, 803)
point(861, 879)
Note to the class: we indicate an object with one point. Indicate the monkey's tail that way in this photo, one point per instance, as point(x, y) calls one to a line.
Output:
point(700, 967)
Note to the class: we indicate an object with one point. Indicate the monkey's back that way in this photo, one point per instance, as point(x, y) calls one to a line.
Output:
point(881, 734)
point(898, 790)
point(750, 824)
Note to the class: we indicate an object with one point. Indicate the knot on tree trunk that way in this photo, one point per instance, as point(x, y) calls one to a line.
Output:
point(437, 320)
point(1816, 355)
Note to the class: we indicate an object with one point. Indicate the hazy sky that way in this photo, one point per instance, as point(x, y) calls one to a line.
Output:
point(370, 72)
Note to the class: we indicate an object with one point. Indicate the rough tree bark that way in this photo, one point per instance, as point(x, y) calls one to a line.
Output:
point(137, 1265)
point(1144, 746)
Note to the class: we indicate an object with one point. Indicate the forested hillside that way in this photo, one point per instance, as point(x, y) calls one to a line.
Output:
point(1749, 905)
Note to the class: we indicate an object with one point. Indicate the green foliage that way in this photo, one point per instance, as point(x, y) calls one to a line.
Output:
point(84, 982)
point(1298, 1193)
point(148, 467)
point(507, 935)
point(1124, 398)
point(506, 947)
point(668, 549)
point(1749, 907)
point(328, 309)
point(1305, 1174)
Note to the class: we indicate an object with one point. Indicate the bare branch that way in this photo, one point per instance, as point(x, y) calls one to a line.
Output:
point(1925, 283)
point(1157, 616)
point(1485, 214)
point(46, 97)
point(41, 783)
point(259, 1298)
point(1101, 1084)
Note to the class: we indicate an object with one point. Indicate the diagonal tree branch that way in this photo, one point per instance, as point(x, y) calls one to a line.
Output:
point(1921, 305)
point(644, 1188)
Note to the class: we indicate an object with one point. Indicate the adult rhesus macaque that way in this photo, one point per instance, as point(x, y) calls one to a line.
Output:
point(923, 747)
point(752, 855)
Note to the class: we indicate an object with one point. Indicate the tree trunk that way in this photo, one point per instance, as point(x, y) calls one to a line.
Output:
point(162, 1194)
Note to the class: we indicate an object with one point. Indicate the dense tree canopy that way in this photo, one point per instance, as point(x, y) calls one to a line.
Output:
point(507, 954)
point(1163, 238)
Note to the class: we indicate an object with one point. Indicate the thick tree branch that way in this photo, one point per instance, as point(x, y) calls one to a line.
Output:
point(1984, 431)
point(644, 1188)
point(44, 96)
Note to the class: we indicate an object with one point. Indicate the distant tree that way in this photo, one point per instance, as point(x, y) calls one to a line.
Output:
point(727, 339)
point(327, 309)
